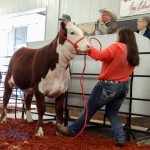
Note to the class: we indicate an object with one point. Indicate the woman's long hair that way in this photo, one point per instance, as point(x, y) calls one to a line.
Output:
point(126, 36)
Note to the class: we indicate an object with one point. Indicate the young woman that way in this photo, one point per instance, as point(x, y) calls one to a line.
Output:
point(118, 63)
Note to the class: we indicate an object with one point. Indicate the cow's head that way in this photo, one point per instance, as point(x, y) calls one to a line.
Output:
point(74, 37)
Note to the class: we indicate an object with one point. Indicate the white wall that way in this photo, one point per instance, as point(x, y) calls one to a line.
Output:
point(83, 11)
point(141, 86)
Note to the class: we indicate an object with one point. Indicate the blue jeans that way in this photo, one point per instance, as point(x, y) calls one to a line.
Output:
point(110, 94)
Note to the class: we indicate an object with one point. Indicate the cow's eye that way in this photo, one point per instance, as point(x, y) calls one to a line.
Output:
point(72, 33)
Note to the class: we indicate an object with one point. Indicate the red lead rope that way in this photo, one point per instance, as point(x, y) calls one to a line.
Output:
point(85, 101)
point(82, 89)
point(74, 44)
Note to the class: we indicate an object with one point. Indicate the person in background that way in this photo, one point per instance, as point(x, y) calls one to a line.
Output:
point(143, 25)
point(0, 80)
point(65, 18)
point(118, 62)
point(106, 23)
point(0, 76)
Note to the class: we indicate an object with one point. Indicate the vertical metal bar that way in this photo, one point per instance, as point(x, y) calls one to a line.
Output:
point(16, 98)
point(66, 110)
point(128, 124)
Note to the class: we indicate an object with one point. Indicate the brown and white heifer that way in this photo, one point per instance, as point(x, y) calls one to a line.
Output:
point(44, 72)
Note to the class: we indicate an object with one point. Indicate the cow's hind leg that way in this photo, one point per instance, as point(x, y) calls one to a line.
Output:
point(28, 100)
point(6, 97)
point(40, 100)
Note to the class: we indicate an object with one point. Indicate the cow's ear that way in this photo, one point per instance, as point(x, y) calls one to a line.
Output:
point(63, 31)
point(62, 26)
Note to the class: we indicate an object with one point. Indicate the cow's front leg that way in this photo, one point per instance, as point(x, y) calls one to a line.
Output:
point(59, 110)
point(40, 100)
point(28, 100)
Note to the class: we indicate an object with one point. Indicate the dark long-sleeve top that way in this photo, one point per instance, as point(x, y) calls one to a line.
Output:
point(146, 33)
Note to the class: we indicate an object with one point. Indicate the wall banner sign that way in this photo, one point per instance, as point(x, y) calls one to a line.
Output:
point(134, 7)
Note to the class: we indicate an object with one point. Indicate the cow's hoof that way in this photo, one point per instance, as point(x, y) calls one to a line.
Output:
point(3, 116)
point(40, 132)
point(29, 120)
point(29, 116)
point(4, 120)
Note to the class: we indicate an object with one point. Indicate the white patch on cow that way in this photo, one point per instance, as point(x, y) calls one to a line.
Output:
point(29, 116)
point(11, 82)
point(40, 132)
point(42, 86)
point(55, 82)
point(66, 53)
point(5, 117)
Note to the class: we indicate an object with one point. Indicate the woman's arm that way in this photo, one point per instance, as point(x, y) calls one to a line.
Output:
point(103, 55)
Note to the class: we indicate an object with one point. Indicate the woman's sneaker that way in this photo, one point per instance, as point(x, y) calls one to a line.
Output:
point(120, 144)
point(62, 129)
